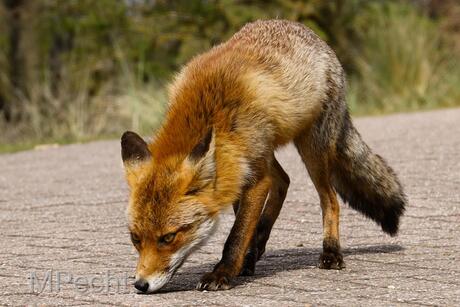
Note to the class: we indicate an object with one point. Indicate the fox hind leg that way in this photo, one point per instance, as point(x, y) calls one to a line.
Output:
point(319, 168)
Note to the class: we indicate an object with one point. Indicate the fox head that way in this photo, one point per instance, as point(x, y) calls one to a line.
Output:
point(170, 208)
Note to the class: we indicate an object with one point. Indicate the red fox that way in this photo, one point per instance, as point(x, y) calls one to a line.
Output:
point(272, 83)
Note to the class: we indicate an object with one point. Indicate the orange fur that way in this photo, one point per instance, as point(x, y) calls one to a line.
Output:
point(236, 92)
point(272, 83)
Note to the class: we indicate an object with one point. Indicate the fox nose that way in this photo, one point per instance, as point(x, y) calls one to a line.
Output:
point(141, 285)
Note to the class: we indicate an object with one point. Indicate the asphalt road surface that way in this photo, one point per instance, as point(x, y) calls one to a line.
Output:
point(64, 237)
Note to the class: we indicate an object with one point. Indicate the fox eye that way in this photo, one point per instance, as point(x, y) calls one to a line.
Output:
point(135, 239)
point(168, 238)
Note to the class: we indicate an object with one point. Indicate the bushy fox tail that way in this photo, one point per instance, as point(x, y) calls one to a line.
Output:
point(366, 182)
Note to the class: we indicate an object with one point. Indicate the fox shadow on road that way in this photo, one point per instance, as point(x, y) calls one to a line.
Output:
point(272, 262)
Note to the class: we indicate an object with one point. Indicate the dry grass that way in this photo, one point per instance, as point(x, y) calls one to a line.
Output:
point(404, 65)
point(70, 113)
point(402, 62)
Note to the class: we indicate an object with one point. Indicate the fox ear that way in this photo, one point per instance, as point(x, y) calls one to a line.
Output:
point(134, 151)
point(133, 148)
point(202, 160)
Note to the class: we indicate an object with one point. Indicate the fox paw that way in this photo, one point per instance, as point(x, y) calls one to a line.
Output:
point(331, 261)
point(214, 281)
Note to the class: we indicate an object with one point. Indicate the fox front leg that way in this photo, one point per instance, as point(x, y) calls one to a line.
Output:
point(240, 237)
point(272, 208)
point(251, 257)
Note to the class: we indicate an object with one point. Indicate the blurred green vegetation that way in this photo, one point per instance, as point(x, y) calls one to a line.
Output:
point(82, 69)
